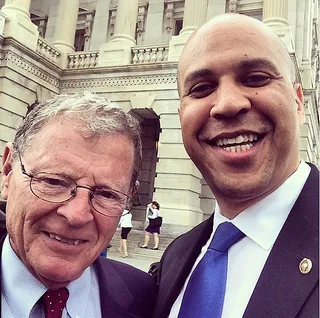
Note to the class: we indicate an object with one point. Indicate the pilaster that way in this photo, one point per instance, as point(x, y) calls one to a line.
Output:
point(100, 24)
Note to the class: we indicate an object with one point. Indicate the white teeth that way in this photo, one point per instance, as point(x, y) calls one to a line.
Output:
point(64, 240)
point(238, 148)
point(237, 140)
point(76, 242)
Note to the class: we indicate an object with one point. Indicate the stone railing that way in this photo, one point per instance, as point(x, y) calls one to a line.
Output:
point(47, 50)
point(150, 54)
point(83, 59)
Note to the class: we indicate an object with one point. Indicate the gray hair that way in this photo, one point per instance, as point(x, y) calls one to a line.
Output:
point(96, 116)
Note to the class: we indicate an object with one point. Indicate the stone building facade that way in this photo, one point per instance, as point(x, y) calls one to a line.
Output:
point(127, 50)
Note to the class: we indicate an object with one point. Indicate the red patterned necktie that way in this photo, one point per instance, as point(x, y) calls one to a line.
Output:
point(54, 301)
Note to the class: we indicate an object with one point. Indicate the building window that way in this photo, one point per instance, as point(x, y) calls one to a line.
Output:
point(40, 22)
point(173, 18)
point(254, 14)
point(79, 40)
point(178, 26)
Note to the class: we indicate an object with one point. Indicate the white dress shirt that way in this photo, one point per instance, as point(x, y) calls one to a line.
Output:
point(125, 219)
point(261, 223)
point(20, 291)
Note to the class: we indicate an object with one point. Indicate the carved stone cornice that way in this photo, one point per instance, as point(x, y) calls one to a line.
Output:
point(119, 82)
point(20, 62)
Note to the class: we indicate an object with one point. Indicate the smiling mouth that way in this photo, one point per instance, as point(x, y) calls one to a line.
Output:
point(240, 143)
point(64, 239)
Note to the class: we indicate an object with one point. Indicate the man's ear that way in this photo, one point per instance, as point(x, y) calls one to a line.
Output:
point(7, 158)
point(299, 98)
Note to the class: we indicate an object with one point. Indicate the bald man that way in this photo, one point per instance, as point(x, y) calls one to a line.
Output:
point(241, 113)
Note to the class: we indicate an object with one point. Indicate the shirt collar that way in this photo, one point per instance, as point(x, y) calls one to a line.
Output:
point(22, 290)
point(79, 291)
point(263, 221)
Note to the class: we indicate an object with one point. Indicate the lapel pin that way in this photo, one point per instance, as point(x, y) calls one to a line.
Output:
point(305, 266)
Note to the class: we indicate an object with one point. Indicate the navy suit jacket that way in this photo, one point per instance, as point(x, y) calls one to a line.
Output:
point(281, 291)
point(125, 291)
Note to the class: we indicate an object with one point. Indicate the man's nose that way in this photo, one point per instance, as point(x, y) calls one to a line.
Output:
point(231, 100)
point(77, 210)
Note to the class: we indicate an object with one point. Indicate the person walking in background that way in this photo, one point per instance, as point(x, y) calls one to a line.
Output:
point(126, 226)
point(155, 222)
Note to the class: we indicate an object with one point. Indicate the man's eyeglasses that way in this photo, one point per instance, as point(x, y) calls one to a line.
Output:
point(56, 188)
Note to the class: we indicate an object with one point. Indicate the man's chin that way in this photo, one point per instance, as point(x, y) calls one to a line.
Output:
point(57, 276)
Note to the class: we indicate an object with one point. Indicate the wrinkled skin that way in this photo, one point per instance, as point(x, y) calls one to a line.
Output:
point(235, 78)
point(58, 148)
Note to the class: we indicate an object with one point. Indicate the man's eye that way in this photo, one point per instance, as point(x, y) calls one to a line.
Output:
point(201, 90)
point(106, 194)
point(52, 182)
point(257, 80)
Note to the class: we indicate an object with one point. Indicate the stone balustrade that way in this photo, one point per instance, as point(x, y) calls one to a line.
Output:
point(83, 59)
point(47, 50)
point(150, 54)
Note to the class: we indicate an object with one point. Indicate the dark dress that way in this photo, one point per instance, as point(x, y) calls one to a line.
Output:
point(154, 222)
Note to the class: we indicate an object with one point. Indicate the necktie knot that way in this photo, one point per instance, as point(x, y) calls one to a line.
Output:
point(54, 301)
point(225, 236)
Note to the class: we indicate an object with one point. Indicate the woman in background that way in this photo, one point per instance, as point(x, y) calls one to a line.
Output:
point(155, 222)
point(126, 226)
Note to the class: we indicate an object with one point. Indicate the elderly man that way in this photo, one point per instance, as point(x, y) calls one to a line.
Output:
point(66, 179)
point(241, 112)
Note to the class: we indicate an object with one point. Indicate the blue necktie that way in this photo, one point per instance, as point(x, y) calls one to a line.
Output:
point(204, 295)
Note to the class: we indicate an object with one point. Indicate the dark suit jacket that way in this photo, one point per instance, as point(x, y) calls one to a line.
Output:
point(125, 292)
point(281, 291)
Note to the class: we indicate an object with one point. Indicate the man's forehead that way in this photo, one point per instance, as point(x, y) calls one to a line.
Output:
point(229, 36)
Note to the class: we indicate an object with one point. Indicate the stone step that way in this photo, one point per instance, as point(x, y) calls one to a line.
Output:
point(136, 239)
point(139, 253)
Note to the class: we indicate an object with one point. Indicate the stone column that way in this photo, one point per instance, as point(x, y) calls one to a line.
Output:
point(195, 14)
point(118, 50)
point(125, 26)
point(66, 25)
point(18, 23)
point(275, 15)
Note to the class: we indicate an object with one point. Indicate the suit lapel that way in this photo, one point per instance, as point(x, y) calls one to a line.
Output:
point(282, 289)
point(178, 265)
point(115, 298)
